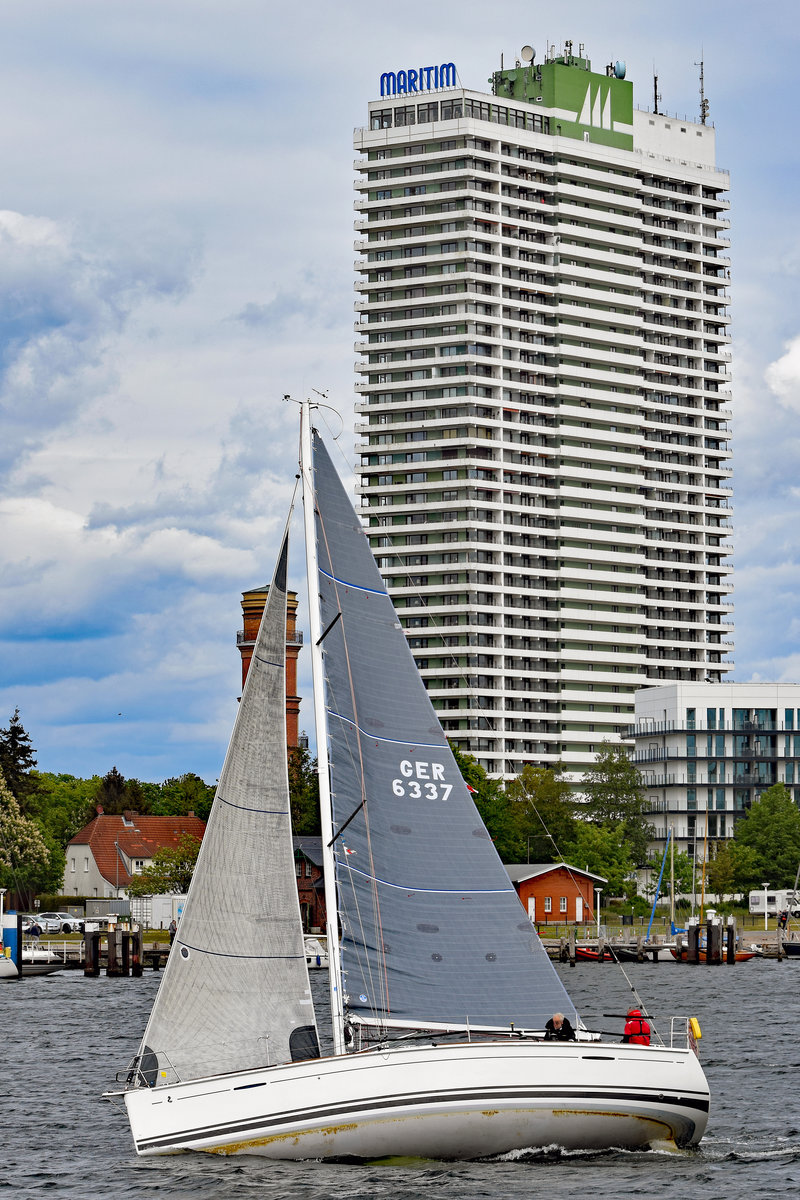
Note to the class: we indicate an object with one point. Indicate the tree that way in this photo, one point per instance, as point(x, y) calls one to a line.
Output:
point(171, 870)
point(613, 794)
point(722, 870)
point(17, 761)
point(603, 850)
point(27, 865)
point(771, 831)
point(112, 793)
point(64, 804)
point(179, 796)
point(303, 791)
point(544, 812)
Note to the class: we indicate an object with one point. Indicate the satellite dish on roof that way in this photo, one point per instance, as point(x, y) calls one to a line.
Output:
point(527, 54)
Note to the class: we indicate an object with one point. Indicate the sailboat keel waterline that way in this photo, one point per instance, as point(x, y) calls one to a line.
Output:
point(448, 1101)
point(425, 932)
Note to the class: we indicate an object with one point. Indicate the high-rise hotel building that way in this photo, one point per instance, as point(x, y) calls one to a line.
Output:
point(543, 398)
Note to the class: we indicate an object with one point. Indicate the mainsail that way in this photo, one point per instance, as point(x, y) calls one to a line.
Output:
point(235, 993)
point(432, 929)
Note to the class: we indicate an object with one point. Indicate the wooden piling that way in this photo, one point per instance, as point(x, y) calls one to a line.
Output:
point(693, 944)
point(114, 963)
point(601, 949)
point(640, 949)
point(730, 942)
point(713, 943)
point(126, 955)
point(136, 953)
point(572, 955)
point(91, 951)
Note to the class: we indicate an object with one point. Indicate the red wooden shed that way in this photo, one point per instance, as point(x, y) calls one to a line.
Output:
point(555, 893)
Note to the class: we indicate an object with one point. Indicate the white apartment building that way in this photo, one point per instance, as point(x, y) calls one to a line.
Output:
point(543, 404)
point(707, 751)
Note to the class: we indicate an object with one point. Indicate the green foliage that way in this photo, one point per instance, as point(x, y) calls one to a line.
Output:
point(604, 851)
point(303, 791)
point(112, 794)
point(729, 864)
point(771, 832)
point(180, 796)
point(543, 811)
point(17, 761)
point(614, 795)
point(170, 871)
point(64, 804)
point(683, 874)
point(27, 864)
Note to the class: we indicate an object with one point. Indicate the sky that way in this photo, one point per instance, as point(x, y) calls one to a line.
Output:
point(176, 256)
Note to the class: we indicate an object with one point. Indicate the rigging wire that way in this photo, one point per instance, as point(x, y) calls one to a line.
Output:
point(548, 834)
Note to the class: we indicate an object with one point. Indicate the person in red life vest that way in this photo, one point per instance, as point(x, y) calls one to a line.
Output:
point(637, 1030)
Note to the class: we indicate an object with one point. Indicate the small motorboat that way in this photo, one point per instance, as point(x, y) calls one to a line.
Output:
point(679, 953)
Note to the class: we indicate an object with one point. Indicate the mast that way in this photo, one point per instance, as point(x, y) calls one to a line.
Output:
point(671, 878)
point(321, 728)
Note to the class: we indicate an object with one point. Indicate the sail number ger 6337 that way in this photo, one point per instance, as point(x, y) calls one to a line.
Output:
point(422, 781)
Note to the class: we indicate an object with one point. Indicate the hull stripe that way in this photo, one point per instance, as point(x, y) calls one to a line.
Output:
point(378, 1106)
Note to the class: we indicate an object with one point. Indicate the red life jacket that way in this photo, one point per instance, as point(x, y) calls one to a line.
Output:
point(637, 1030)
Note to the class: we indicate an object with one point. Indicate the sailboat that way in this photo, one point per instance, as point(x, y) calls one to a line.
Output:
point(439, 986)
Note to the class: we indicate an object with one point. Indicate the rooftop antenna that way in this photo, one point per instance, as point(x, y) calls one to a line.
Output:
point(703, 101)
point(656, 92)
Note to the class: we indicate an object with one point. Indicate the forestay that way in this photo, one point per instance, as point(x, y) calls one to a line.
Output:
point(432, 929)
point(235, 993)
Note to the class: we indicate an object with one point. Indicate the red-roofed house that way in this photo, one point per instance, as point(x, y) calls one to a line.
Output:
point(556, 891)
point(103, 856)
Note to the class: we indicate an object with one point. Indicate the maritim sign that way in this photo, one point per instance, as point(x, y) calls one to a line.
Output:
point(418, 79)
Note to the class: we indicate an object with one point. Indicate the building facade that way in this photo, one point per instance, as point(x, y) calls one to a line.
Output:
point(706, 752)
point(543, 391)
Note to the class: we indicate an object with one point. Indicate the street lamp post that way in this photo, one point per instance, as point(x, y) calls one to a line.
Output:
point(766, 885)
point(597, 892)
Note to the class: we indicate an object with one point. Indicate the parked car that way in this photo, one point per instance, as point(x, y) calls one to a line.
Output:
point(59, 922)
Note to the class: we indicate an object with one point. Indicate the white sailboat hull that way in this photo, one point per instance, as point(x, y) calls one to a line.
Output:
point(448, 1101)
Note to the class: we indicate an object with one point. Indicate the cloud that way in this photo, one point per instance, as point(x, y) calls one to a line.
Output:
point(783, 376)
point(63, 294)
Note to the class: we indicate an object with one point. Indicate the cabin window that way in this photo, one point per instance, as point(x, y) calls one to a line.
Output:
point(86, 864)
point(562, 904)
point(548, 904)
point(308, 869)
